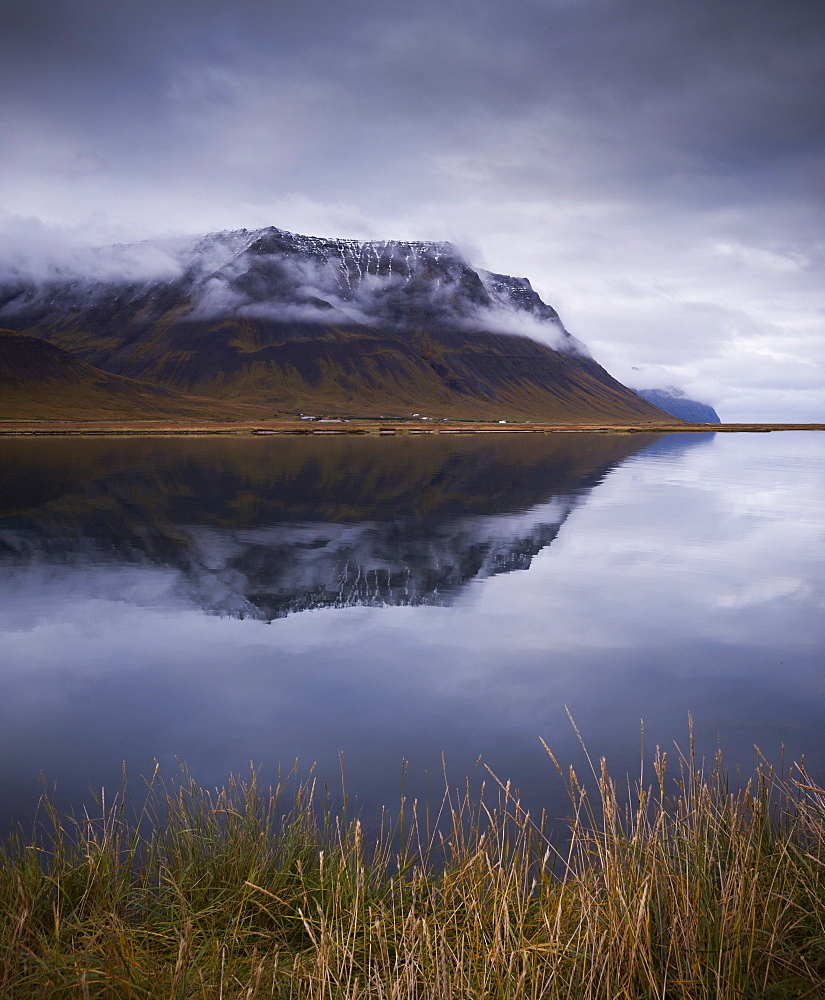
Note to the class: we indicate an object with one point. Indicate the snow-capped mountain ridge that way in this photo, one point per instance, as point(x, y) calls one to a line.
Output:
point(373, 274)
point(237, 272)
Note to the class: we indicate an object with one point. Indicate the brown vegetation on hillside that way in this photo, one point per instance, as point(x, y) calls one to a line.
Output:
point(39, 381)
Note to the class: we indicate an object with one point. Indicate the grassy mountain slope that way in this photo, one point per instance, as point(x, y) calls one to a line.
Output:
point(359, 370)
point(39, 381)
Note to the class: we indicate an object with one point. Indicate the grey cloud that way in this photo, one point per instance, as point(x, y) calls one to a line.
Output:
point(33, 252)
point(704, 77)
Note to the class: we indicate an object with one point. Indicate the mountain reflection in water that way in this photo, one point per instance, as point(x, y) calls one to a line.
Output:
point(264, 528)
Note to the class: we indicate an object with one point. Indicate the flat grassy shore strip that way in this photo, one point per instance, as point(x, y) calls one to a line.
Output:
point(109, 428)
point(708, 892)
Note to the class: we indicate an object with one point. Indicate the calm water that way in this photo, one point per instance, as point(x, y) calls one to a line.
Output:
point(229, 601)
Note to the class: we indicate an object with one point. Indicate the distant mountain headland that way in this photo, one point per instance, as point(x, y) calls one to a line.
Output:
point(272, 323)
point(677, 404)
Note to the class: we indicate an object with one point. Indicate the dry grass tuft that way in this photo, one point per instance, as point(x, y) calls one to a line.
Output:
point(693, 890)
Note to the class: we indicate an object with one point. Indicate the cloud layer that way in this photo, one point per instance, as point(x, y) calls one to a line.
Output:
point(656, 170)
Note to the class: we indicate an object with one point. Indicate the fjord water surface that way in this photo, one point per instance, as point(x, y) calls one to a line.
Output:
point(233, 600)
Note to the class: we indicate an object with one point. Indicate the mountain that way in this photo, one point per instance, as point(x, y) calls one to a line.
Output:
point(675, 402)
point(39, 381)
point(303, 324)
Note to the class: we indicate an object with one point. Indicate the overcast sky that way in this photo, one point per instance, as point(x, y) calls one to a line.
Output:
point(655, 167)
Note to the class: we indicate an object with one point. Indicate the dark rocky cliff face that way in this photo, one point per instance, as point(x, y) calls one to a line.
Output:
point(302, 324)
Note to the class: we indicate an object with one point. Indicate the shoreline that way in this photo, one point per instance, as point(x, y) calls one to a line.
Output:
point(362, 426)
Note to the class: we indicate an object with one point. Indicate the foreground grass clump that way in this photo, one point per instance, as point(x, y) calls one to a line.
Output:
point(240, 893)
